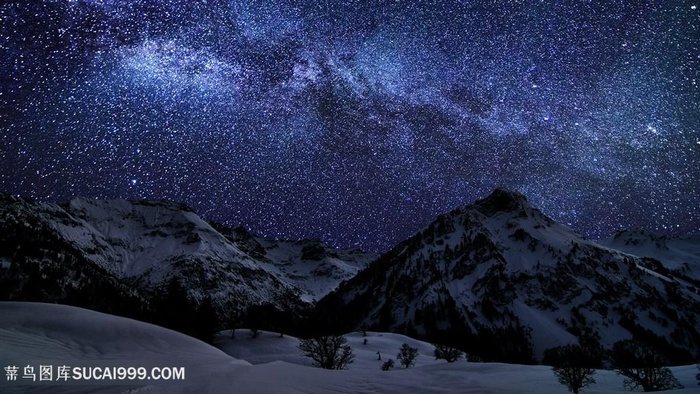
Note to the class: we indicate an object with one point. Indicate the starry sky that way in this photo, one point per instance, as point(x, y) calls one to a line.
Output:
point(357, 122)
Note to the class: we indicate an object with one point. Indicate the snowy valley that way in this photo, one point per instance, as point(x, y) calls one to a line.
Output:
point(34, 334)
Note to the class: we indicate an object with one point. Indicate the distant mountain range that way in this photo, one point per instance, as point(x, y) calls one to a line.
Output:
point(497, 278)
point(113, 255)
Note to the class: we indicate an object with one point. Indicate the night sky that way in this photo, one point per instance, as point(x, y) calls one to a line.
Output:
point(354, 122)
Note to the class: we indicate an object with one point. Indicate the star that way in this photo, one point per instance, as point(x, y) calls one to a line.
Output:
point(355, 122)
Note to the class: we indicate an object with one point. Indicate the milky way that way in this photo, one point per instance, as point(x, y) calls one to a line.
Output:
point(357, 122)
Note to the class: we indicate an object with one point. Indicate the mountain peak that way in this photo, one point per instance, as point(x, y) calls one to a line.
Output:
point(502, 200)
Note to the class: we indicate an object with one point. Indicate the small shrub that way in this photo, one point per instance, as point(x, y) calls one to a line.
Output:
point(472, 358)
point(388, 364)
point(407, 355)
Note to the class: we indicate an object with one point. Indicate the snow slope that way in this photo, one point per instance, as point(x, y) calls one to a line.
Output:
point(48, 334)
point(316, 276)
point(310, 265)
point(142, 246)
point(680, 254)
point(145, 237)
point(55, 334)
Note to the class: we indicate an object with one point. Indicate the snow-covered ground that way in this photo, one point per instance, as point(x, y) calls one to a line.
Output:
point(364, 375)
point(46, 334)
point(35, 334)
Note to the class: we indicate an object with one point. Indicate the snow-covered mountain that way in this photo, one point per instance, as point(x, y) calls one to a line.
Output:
point(38, 264)
point(505, 281)
point(143, 246)
point(498, 278)
point(679, 254)
point(309, 264)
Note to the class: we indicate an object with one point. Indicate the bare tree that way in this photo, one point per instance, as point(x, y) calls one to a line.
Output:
point(407, 355)
point(328, 352)
point(234, 321)
point(447, 353)
point(642, 367)
point(573, 365)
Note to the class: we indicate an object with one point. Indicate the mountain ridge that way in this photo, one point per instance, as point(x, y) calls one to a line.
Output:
point(146, 245)
point(495, 276)
point(500, 269)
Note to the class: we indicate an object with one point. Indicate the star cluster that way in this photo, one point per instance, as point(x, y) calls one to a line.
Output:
point(357, 122)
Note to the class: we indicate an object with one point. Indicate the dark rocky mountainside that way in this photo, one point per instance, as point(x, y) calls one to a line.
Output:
point(130, 257)
point(504, 281)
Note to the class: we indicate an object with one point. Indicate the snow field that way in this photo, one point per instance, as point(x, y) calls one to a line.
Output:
point(56, 334)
